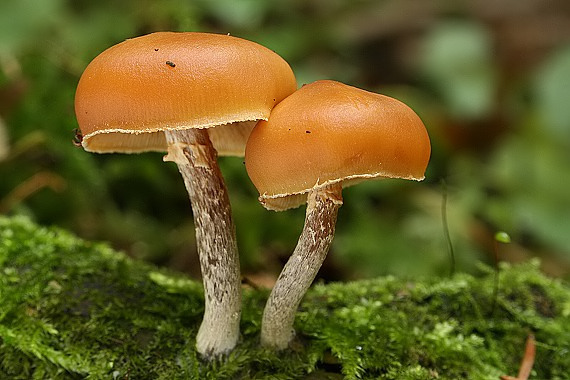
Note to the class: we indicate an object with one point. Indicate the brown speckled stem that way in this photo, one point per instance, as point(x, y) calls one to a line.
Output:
point(301, 268)
point(196, 158)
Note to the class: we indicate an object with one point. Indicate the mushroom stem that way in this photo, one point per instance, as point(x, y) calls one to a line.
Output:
point(300, 271)
point(192, 151)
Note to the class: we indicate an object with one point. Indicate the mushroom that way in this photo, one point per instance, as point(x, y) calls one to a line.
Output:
point(325, 136)
point(194, 95)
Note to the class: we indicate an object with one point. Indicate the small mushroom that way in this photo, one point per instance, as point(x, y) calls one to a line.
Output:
point(194, 95)
point(354, 136)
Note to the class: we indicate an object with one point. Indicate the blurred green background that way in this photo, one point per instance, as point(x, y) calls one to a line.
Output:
point(490, 79)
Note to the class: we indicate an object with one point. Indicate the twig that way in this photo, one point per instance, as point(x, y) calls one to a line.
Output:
point(527, 361)
point(496, 279)
point(446, 227)
point(248, 281)
point(31, 186)
point(500, 237)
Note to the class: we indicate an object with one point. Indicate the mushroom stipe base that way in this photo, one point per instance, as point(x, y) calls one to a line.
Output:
point(195, 156)
point(302, 267)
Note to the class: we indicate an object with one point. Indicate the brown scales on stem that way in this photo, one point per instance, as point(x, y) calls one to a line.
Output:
point(195, 156)
point(302, 266)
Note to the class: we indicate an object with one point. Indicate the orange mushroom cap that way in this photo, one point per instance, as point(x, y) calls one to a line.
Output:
point(328, 132)
point(136, 89)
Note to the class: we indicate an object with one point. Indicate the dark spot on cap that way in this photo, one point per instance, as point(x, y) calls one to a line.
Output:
point(307, 131)
point(156, 49)
point(170, 63)
point(273, 99)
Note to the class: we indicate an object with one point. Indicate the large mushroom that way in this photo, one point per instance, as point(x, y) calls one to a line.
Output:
point(325, 136)
point(194, 95)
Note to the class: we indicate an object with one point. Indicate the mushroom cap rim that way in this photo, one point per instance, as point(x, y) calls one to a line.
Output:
point(351, 179)
point(180, 127)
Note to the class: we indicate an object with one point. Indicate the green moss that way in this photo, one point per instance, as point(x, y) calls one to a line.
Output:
point(75, 309)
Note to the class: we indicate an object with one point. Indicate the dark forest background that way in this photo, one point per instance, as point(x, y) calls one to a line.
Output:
point(490, 79)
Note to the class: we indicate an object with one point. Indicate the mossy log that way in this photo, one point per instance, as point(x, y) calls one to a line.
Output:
point(71, 309)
